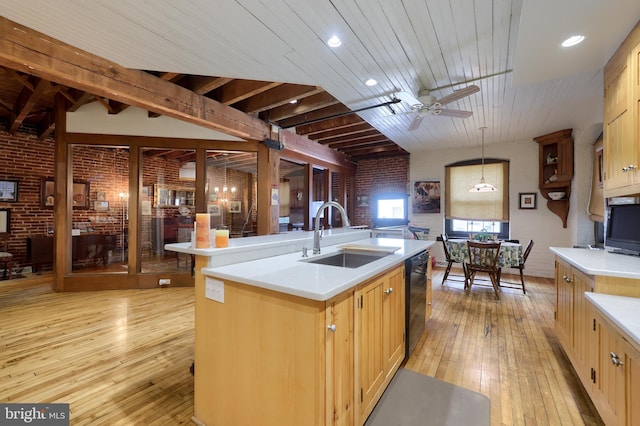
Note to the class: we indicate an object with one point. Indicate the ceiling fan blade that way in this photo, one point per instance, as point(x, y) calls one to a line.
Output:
point(454, 113)
point(459, 94)
point(415, 123)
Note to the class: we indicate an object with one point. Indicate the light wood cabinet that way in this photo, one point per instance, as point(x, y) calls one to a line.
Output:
point(622, 119)
point(615, 373)
point(571, 314)
point(606, 363)
point(555, 160)
point(380, 345)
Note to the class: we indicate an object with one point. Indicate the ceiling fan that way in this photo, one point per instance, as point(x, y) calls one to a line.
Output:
point(425, 103)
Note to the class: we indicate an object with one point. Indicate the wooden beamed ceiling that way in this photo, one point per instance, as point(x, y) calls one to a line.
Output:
point(308, 110)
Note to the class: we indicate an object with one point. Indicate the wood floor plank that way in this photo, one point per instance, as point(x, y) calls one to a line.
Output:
point(122, 357)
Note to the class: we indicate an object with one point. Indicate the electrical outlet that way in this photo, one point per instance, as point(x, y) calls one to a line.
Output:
point(164, 281)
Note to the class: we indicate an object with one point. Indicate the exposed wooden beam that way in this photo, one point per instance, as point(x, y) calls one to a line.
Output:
point(29, 51)
point(357, 144)
point(46, 126)
point(334, 123)
point(238, 90)
point(353, 129)
point(272, 98)
point(353, 137)
point(305, 105)
point(202, 85)
point(322, 114)
point(26, 101)
point(300, 147)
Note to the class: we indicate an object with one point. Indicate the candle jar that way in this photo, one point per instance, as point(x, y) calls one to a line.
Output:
point(222, 238)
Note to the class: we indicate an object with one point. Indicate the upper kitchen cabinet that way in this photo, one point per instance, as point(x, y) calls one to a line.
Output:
point(622, 119)
point(556, 171)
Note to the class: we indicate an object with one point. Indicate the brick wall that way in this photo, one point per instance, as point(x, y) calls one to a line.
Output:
point(379, 175)
point(25, 158)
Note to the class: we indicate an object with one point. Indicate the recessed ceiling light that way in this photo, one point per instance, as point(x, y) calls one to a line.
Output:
point(334, 41)
point(371, 82)
point(573, 40)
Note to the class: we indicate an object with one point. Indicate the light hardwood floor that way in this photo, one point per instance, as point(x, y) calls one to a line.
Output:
point(122, 357)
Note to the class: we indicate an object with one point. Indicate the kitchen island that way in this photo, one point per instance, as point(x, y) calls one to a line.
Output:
point(281, 340)
point(596, 321)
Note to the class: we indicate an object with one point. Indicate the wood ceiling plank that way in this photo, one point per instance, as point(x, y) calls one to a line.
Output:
point(346, 146)
point(349, 136)
point(32, 52)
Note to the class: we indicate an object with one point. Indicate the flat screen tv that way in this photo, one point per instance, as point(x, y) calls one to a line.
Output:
point(623, 229)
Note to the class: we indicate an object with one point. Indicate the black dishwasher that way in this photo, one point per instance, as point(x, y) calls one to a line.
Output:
point(415, 279)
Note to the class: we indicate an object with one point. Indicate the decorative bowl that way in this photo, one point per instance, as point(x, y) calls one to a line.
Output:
point(557, 195)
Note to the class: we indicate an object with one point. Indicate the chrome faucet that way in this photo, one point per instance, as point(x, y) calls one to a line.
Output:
point(316, 232)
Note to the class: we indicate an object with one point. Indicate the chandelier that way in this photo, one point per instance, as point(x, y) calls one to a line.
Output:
point(483, 186)
point(223, 195)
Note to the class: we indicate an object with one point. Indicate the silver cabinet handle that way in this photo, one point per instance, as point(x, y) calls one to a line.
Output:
point(629, 168)
point(615, 360)
point(566, 278)
point(331, 327)
point(389, 291)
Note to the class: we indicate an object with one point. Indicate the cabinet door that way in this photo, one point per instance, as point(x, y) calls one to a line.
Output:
point(634, 141)
point(339, 350)
point(370, 362)
point(609, 383)
point(393, 319)
point(619, 147)
point(581, 318)
point(564, 304)
point(632, 385)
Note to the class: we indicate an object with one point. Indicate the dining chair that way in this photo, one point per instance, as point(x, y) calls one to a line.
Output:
point(450, 261)
point(6, 258)
point(483, 257)
point(520, 267)
point(419, 263)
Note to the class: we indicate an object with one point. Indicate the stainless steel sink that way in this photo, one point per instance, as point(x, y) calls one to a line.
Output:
point(346, 259)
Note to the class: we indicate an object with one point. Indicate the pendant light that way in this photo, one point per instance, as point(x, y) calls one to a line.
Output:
point(483, 186)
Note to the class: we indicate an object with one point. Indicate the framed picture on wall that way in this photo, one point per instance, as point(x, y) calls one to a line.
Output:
point(101, 206)
point(215, 209)
point(527, 200)
point(235, 206)
point(8, 191)
point(79, 194)
point(5, 220)
point(426, 196)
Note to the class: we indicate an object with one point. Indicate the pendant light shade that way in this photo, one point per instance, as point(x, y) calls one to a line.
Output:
point(483, 186)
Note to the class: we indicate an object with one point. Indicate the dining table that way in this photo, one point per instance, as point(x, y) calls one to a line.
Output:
point(510, 255)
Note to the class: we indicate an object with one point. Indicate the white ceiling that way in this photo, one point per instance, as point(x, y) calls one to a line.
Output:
point(509, 48)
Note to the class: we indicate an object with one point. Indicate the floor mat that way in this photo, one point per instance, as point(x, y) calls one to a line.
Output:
point(413, 399)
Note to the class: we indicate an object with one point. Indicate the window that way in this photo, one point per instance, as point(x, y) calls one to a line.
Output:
point(390, 209)
point(470, 212)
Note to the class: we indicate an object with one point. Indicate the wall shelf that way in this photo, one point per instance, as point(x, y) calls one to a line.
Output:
point(556, 170)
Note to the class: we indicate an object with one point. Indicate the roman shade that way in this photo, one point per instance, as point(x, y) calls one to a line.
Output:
point(462, 204)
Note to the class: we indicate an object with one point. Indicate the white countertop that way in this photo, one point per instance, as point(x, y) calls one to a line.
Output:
point(290, 274)
point(600, 262)
point(621, 310)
